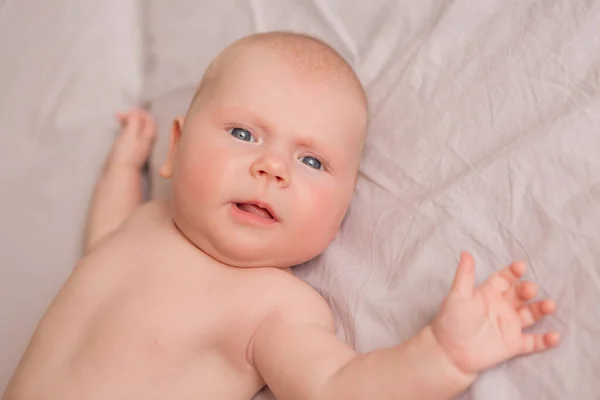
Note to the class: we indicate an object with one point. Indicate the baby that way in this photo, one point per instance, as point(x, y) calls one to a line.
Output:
point(193, 299)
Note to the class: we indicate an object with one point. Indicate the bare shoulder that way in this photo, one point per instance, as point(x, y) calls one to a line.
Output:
point(298, 302)
point(292, 304)
point(141, 223)
point(152, 210)
point(147, 219)
point(294, 347)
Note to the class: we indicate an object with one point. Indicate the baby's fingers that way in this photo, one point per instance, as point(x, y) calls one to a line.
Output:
point(521, 293)
point(149, 130)
point(464, 280)
point(531, 313)
point(513, 272)
point(538, 343)
point(504, 279)
point(122, 117)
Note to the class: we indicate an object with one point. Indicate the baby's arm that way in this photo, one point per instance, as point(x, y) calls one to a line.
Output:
point(118, 191)
point(300, 358)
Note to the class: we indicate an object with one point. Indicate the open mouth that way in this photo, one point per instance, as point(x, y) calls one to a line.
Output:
point(257, 210)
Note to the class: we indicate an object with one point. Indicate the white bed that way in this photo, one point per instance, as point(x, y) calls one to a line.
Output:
point(484, 136)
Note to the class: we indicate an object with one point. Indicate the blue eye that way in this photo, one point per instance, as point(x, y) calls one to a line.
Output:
point(312, 162)
point(242, 134)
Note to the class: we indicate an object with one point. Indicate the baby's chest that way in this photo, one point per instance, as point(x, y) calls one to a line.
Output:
point(198, 313)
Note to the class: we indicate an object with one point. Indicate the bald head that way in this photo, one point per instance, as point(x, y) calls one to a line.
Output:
point(307, 54)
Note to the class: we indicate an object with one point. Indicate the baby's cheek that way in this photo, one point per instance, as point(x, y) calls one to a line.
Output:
point(325, 209)
point(196, 177)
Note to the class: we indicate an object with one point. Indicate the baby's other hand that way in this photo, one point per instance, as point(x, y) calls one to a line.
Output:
point(481, 327)
point(132, 147)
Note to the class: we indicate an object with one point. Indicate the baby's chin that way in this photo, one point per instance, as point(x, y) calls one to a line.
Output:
point(248, 247)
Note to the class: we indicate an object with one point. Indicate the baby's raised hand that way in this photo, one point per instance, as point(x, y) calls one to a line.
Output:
point(481, 327)
point(132, 147)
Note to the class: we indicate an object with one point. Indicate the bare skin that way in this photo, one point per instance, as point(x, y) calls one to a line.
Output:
point(145, 314)
point(190, 299)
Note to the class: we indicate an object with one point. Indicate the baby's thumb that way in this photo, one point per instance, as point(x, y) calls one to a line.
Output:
point(464, 280)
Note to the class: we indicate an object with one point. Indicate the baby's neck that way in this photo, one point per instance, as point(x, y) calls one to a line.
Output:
point(216, 261)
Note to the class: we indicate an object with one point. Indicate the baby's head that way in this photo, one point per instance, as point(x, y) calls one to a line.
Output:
point(264, 164)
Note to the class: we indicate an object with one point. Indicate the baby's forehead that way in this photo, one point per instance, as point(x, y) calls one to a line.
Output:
point(308, 56)
point(316, 60)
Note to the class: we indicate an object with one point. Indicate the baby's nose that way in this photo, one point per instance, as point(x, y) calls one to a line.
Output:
point(273, 168)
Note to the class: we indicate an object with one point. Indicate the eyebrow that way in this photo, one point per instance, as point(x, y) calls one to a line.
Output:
point(226, 112)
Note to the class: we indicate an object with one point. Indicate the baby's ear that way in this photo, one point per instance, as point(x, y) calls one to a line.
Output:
point(166, 171)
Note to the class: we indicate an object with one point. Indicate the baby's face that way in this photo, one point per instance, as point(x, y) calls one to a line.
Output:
point(266, 136)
